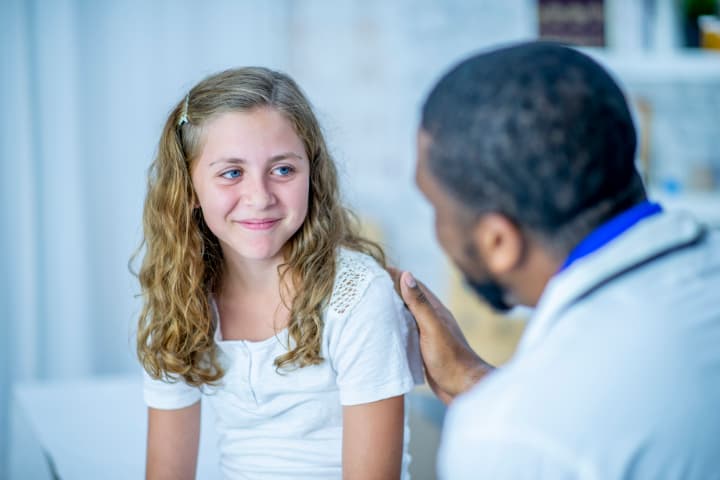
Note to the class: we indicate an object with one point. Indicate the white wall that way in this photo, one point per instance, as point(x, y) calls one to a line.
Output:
point(85, 87)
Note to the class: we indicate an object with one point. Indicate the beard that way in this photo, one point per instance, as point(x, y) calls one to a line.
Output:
point(490, 291)
point(486, 288)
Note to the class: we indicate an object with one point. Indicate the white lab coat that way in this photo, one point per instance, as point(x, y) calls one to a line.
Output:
point(617, 375)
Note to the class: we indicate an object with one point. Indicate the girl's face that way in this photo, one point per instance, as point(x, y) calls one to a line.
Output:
point(252, 181)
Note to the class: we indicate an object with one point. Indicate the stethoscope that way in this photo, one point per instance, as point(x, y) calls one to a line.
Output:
point(692, 239)
point(698, 237)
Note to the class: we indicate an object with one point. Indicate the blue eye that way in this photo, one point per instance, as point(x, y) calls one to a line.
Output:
point(231, 174)
point(284, 171)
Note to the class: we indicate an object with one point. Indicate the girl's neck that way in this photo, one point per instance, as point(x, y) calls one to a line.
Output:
point(251, 275)
point(250, 299)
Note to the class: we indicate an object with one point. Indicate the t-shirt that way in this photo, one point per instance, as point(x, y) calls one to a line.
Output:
point(287, 424)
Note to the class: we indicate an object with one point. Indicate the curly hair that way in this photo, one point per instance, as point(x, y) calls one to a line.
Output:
point(183, 261)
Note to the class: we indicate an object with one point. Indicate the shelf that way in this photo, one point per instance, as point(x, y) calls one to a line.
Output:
point(686, 65)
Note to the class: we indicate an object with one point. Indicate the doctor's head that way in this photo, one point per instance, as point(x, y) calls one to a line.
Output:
point(522, 152)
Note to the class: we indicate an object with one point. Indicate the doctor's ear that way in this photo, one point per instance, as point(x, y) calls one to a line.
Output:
point(499, 241)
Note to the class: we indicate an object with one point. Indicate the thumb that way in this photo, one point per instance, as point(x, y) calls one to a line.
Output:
point(416, 299)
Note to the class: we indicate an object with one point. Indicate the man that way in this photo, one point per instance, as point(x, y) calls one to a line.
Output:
point(527, 157)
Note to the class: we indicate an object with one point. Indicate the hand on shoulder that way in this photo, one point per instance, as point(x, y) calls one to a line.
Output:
point(451, 366)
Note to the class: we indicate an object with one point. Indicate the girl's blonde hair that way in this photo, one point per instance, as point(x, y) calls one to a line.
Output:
point(183, 262)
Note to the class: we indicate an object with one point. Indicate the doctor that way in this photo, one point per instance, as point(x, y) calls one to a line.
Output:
point(527, 156)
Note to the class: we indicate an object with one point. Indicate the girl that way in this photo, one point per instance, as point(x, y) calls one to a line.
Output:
point(261, 297)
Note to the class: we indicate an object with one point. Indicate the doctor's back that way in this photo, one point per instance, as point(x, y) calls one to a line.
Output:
point(617, 375)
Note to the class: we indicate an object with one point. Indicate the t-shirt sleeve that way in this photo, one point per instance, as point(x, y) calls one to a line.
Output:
point(374, 348)
point(168, 395)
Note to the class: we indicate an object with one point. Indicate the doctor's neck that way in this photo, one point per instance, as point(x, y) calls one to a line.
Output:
point(527, 281)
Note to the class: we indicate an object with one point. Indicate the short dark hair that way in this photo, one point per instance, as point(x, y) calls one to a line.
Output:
point(538, 132)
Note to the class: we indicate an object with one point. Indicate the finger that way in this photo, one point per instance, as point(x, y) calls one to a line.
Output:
point(421, 292)
point(412, 293)
point(430, 314)
point(414, 296)
point(430, 296)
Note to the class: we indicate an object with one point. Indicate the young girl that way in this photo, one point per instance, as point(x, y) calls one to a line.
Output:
point(261, 298)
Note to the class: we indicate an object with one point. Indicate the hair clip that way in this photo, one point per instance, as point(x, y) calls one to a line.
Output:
point(183, 117)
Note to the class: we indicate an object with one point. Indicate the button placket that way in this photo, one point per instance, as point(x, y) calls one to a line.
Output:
point(247, 379)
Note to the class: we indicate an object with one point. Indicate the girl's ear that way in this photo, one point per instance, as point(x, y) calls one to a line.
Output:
point(194, 201)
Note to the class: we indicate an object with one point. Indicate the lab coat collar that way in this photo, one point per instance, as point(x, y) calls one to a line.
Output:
point(650, 238)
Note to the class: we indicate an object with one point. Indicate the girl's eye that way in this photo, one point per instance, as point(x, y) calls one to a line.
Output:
point(231, 174)
point(283, 171)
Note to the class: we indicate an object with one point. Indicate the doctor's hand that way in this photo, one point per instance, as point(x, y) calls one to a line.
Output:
point(451, 366)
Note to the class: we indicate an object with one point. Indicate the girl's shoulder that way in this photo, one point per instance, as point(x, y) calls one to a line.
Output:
point(369, 330)
point(354, 273)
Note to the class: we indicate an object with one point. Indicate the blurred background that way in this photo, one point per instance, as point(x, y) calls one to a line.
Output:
point(85, 87)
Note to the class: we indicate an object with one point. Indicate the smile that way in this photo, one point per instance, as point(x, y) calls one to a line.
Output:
point(259, 224)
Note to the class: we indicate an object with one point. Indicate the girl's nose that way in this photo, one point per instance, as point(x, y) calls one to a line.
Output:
point(258, 194)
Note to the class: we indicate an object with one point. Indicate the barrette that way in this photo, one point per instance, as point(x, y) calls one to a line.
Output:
point(183, 117)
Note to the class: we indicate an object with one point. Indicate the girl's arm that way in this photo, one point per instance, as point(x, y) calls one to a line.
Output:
point(172, 443)
point(373, 440)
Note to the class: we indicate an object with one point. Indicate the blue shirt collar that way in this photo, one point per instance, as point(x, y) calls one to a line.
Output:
point(611, 229)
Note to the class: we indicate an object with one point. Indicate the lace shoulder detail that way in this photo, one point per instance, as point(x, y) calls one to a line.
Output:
point(354, 272)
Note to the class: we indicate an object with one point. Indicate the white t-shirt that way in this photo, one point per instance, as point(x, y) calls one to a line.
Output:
point(288, 425)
